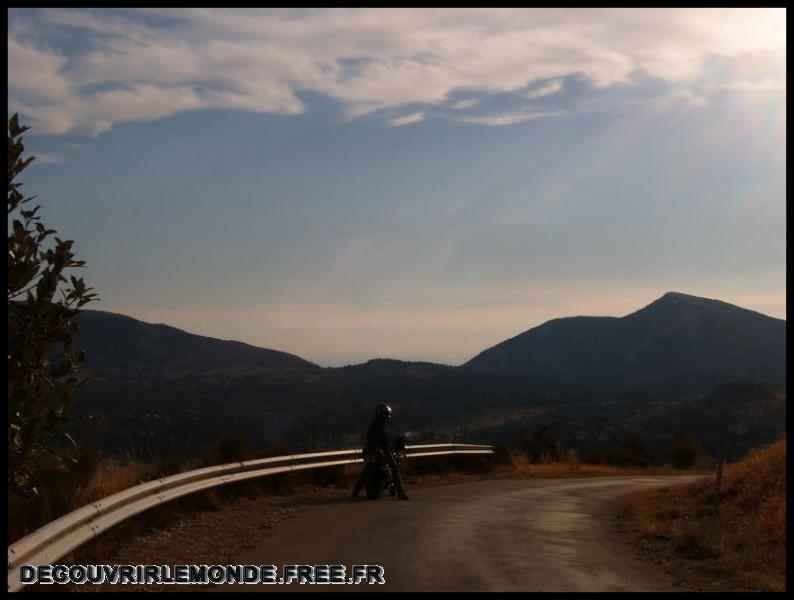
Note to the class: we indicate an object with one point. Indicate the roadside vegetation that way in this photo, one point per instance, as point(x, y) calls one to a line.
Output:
point(570, 465)
point(740, 547)
point(535, 454)
point(44, 368)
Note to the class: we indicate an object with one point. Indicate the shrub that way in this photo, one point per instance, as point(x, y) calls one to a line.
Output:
point(501, 455)
point(683, 453)
point(232, 448)
point(629, 452)
point(539, 445)
point(43, 368)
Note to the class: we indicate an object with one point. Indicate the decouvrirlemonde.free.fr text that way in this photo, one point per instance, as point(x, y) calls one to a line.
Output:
point(201, 574)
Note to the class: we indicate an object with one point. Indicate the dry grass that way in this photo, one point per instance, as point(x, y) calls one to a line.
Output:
point(740, 548)
point(114, 475)
point(65, 492)
point(62, 492)
point(111, 476)
point(571, 466)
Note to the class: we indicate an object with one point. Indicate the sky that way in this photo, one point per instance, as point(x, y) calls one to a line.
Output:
point(418, 184)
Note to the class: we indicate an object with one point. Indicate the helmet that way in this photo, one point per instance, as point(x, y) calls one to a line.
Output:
point(383, 411)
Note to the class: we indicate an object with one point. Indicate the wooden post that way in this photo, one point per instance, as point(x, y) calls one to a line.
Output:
point(720, 464)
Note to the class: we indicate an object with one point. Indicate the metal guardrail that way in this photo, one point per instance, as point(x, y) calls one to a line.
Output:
point(56, 539)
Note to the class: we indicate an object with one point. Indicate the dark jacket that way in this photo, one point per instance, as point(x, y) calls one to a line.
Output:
point(377, 436)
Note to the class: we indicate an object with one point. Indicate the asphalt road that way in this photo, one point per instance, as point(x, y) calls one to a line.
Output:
point(500, 535)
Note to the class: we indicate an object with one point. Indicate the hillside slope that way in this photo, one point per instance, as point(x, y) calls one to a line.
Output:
point(122, 348)
point(743, 548)
point(677, 343)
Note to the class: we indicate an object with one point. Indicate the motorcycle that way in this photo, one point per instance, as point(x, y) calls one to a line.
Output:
point(378, 475)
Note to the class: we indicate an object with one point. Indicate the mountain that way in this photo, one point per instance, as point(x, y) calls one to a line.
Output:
point(121, 348)
point(161, 392)
point(677, 343)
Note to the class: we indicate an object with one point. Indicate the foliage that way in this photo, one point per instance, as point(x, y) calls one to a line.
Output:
point(628, 452)
point(539, 445)
point(43, 368)
point(683, 452)
point(232, 448)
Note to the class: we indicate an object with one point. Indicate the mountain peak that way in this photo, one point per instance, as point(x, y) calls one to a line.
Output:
point(679, 296)
point(677, 300)
point(677, 341)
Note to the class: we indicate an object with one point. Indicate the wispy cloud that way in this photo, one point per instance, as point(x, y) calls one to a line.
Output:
point(113, 66)
point(682, 96)
point(508, 117)
point(764, 85)
point(547, 89)
point(406, 119)
point(45, 158)
point(464, 104)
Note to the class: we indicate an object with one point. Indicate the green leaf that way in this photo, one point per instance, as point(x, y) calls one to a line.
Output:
point(40, 317)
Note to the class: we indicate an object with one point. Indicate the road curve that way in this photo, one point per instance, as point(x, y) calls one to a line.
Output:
point(498, 535)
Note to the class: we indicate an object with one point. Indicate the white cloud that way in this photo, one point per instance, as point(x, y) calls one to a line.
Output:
point(45, 158)
point(547, 89)
point(687, 97)
point(508, 118)
point(464, 104)
point(35, 72)
point(406, 119)
point(151, 63)
point(764, 85)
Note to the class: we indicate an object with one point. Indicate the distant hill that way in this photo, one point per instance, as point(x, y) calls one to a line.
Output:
point(122, 348)
point(677, 343)
point(162, 392)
